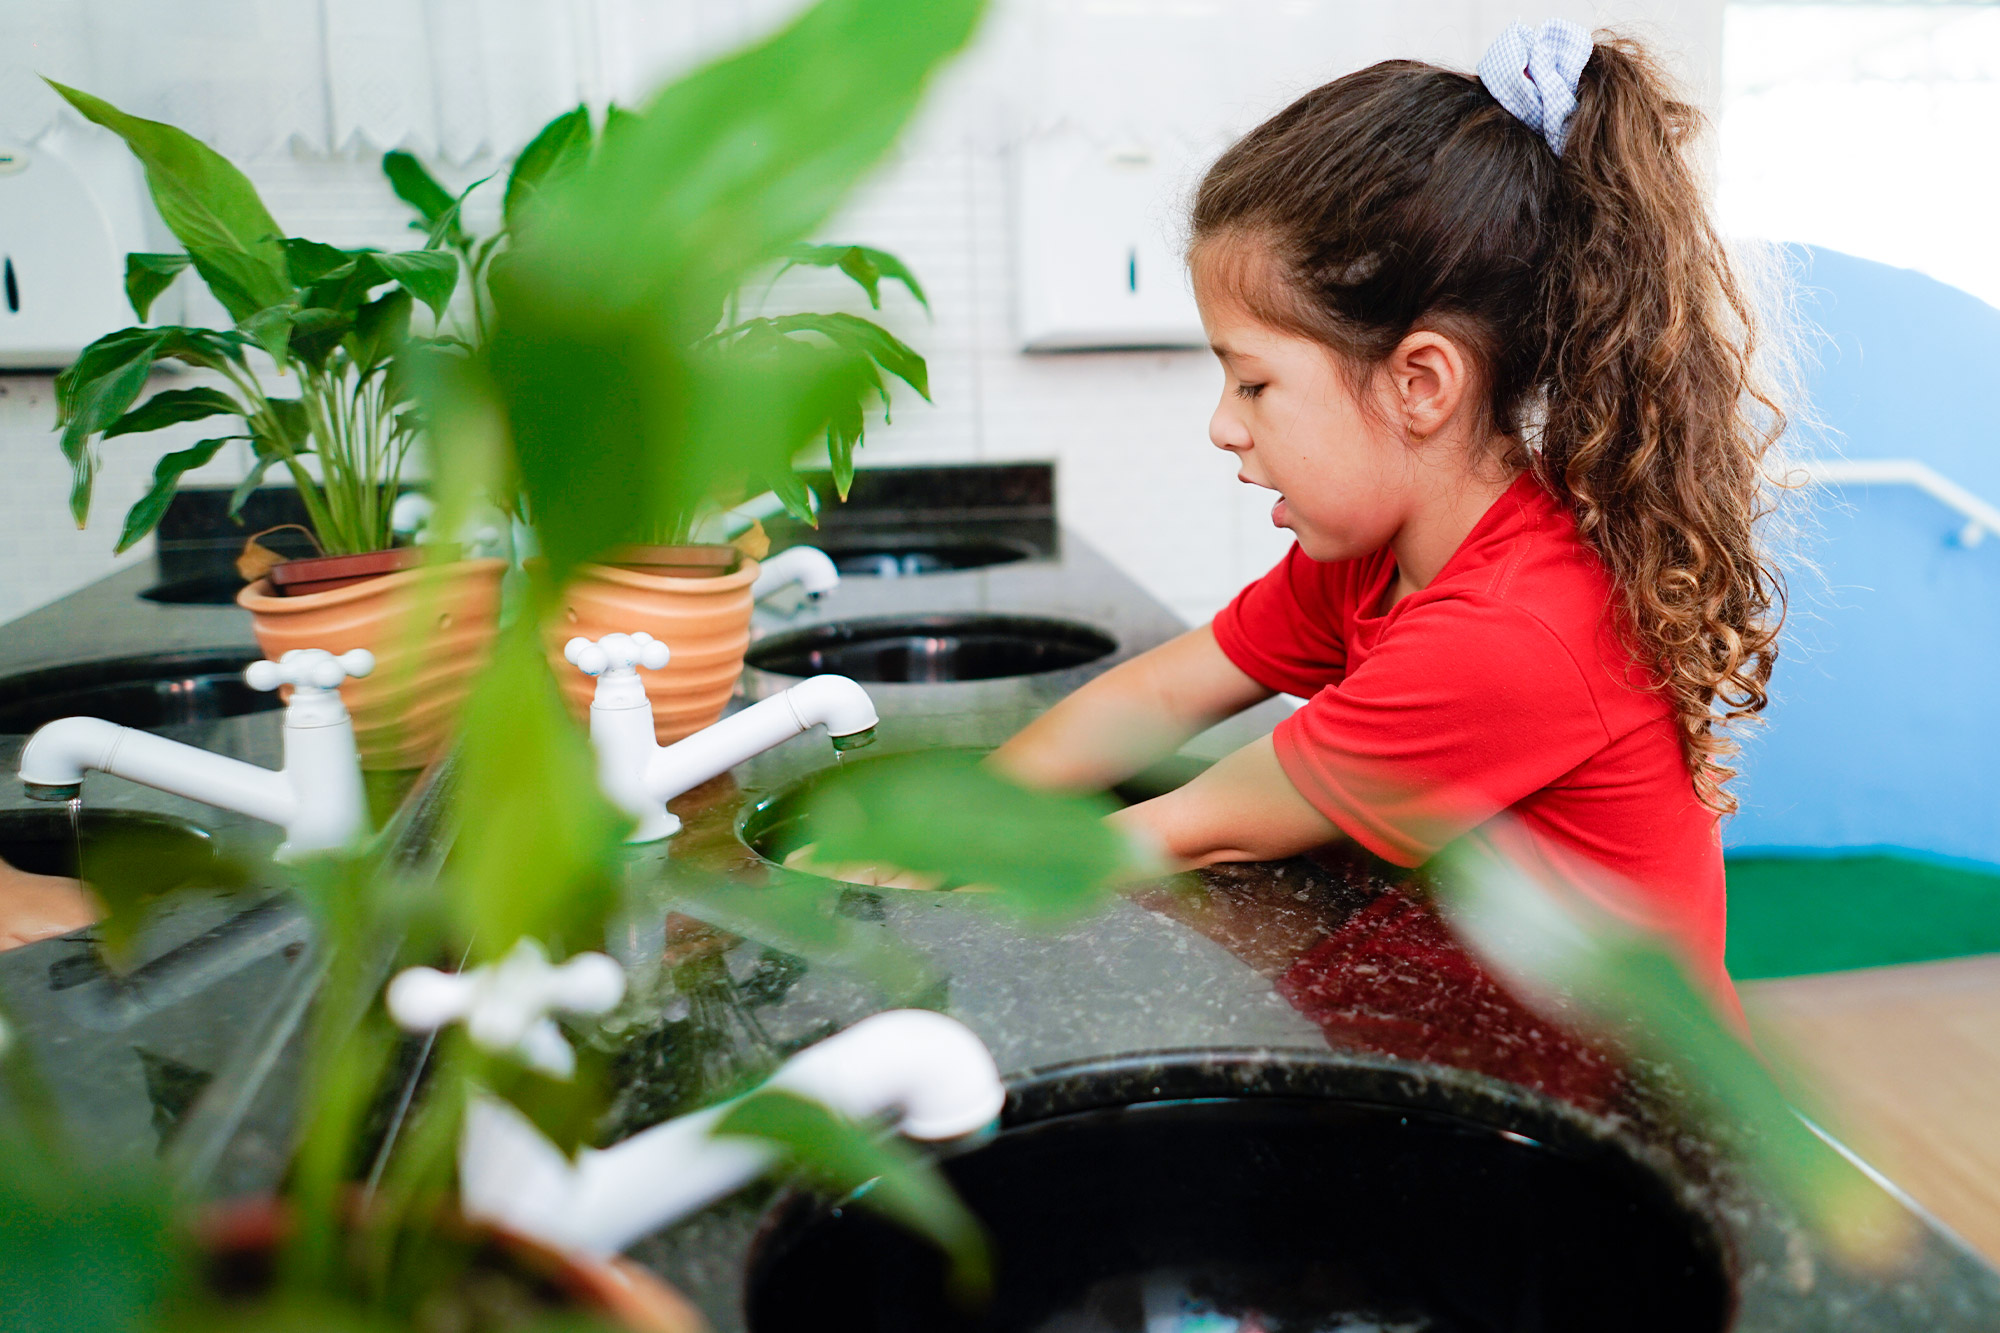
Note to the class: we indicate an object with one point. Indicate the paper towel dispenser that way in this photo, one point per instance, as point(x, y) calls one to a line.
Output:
point(1097, 256)
point(69, 212)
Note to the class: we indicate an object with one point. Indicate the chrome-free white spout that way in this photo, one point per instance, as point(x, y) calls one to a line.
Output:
point(929, 1072)
point(642, 775)
point(317, 797)
point(808, 567)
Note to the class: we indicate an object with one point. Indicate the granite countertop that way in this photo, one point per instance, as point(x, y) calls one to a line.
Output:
point(1300, 978)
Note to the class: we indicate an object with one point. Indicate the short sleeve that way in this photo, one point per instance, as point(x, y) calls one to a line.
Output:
point(1284, 630)
point(1464, 707)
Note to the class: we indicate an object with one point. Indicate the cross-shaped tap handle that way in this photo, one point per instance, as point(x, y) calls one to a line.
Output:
point(616, 652)
point(315, 668)
point(506, 1005)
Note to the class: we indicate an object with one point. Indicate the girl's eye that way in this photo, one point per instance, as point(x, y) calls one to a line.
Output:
point(1249, 390)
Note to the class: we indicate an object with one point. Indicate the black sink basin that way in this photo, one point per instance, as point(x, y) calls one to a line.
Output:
point(159, 847)
point(1273, 1213)
point(932, 649)
point(912, 558)
point(157, 690)
point(207, 590)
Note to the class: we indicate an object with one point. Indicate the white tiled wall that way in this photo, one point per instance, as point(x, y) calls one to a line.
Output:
point(1128, 430)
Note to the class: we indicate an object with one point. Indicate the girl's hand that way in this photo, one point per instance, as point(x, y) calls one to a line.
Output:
point(36, 907)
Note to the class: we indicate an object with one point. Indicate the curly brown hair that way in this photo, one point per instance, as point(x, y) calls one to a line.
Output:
point(1616, 347)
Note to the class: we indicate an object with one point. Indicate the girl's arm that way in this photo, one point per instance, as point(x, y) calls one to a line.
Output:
point(1137, 712)
point(1243, 809)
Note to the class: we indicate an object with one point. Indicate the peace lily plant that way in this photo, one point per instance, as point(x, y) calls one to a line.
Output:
point(313, 370)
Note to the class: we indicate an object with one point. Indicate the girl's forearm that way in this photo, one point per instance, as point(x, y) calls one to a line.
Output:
point(1242, 809)
point(1134, 714)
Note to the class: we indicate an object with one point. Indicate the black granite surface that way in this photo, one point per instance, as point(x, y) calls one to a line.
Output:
point(1327, 978)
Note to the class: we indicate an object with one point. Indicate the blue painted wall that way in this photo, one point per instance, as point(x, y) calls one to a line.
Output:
point(1886, 729)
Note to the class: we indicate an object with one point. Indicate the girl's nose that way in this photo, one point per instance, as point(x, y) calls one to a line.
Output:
point(1227, 431)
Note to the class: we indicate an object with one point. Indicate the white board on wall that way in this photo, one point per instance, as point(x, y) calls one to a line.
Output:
point(1097, 254)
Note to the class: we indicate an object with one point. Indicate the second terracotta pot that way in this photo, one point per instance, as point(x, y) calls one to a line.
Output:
point(430, 629)
point(705, 623)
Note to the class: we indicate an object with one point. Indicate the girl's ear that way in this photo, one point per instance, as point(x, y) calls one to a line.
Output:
point(1429, 378)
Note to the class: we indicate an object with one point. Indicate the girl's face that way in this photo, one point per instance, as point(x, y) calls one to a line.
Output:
point(1343, 470)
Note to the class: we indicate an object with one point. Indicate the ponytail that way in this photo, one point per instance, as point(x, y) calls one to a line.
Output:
point(1654, 421)
point(1615, 344)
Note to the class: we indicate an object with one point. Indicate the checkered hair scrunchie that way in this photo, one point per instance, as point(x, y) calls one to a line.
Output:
point(1533, 73)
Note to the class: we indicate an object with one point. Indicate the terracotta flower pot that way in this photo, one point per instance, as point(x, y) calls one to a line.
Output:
point(430, 630)
point(240, 1241)
point(705, 623)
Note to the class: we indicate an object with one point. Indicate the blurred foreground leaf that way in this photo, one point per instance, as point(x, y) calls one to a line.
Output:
point(619, 266)
point(82, 1249)
point(1542, 942)
point(887, 1175)
point(540, 845)
point(804, 918)
point(947, 814)
point(130, 866)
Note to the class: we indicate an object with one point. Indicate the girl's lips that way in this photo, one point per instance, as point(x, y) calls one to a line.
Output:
point(1278, 513)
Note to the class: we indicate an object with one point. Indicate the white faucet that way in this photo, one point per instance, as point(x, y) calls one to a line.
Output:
point(641, 775)
point(317, 797)
point(808, 567)
point(929, 1071)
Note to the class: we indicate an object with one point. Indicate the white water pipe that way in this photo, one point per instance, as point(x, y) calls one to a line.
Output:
point(927, 1070)
point(317, 797)
point(809, 567)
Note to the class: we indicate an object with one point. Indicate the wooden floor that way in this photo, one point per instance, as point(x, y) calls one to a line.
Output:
point(1907, 1060)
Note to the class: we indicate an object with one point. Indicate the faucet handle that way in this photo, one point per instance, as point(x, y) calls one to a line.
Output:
point(314, 668)
point(505, 1006)
point(616, 652)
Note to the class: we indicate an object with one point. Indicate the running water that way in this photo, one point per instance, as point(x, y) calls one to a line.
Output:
point(76, 832)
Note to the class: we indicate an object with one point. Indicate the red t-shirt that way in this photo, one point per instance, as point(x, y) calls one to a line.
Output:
point(1504, 687)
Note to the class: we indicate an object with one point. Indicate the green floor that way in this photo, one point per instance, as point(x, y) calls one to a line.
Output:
point(1789, 916)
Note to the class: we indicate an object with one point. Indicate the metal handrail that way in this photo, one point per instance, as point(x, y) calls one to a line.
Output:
point(1980, 516)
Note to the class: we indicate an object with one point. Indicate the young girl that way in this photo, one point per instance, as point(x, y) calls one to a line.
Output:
point(1482, 339)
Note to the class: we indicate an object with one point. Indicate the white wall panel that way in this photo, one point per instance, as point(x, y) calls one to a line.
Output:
point(1127, 430)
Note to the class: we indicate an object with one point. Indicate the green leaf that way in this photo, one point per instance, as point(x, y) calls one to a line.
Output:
point(271, 329)
point(867, 339)
point(429, 275)
point(251, 481)
point(316, 332)
point(726, 168)
point(416, 187)
point(884, 1175)
point(131, 869)
point(1552, 945)
point(558, 148)
point(144, 516)
point(308, 262)
point(948, 814)
point(865, 265)
point(146, 276)
point(94, 392)
point(84, 1246)
point(209, 205)
point(801, 916)
point(208, 348)
point(170, 407)
point(380, 328)
point(545, 859)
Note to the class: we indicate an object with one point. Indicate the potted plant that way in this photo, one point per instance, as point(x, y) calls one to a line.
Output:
point(693, 595)
point(314, 376)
